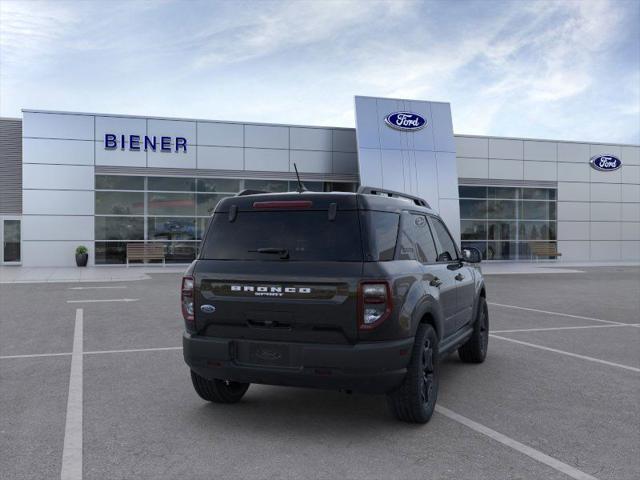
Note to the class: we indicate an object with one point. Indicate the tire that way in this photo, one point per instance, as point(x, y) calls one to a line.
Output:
point(218, 391)
point(475, 349)
point(415, 400)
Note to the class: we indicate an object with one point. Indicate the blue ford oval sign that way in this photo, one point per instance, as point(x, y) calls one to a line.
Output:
point(605, 163)
point(405, 121)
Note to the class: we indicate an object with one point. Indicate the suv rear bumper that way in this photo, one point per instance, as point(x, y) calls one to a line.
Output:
point(374, 367)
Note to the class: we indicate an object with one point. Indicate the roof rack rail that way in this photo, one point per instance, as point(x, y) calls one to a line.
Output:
point(393, 194)
point(250, 192)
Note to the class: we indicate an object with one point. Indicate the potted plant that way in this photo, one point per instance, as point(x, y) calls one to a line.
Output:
point(82, 256)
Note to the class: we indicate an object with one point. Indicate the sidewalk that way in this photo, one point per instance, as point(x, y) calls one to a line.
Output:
point(11, 274)
point(528, 268)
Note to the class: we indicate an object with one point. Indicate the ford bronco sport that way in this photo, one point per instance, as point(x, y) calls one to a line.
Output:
point(360, 292)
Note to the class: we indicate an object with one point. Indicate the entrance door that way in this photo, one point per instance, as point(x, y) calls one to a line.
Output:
point(10, 234)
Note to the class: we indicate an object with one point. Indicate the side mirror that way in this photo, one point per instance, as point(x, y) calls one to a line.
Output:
point(471, 255)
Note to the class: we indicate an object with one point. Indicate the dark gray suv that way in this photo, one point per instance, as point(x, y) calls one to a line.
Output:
point(358, 292)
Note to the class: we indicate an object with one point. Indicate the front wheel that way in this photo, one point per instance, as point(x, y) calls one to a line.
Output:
point(218, 391)
point(415, 400)
point(475, 349)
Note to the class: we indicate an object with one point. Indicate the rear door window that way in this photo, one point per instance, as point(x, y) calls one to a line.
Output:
point(304, 235)
point(416, 240)
point(447, 248)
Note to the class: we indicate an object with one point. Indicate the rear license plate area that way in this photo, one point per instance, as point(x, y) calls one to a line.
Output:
point(264, 354)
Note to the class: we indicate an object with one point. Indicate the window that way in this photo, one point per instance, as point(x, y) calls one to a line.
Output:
point(447, 249)
point(214, 185)
point(119, 182)
point(383, 233)
point(416, 240)
point(504, 221)
point(120, 203)
point(176, 184)
point(119, 228)
point(306, 236)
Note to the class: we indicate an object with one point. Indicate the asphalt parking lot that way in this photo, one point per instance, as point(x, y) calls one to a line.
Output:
point(93, 386)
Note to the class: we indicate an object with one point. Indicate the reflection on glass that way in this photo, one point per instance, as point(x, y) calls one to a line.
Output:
point(267, 185)
point(473, 230)
point(504, 209)
point(167, 228)
point(11, 241)
point(502, 192)
point(531, 210)
point(178, 184)
point(201, 227)
point(473, 209)
point(538, 194)
point(207, 203)
point(501, 230)
point(119, 228)
point(213, 185)
point(119, 182)
point(472, 192)
point(119, 203)
point(171, 203)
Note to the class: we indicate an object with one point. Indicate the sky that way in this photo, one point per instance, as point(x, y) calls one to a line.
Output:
point(565, 70)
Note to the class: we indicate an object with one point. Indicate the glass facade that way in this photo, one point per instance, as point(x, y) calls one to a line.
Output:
point(171, 211)
point(504, 222)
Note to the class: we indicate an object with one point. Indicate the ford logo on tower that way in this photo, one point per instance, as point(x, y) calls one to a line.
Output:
point(605, 163)
point(405, 121)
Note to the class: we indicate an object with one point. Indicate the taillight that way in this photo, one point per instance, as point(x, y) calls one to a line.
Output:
point(186, 300)
point(374, 304)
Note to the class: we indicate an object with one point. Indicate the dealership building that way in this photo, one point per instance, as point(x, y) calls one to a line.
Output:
point(111, 181)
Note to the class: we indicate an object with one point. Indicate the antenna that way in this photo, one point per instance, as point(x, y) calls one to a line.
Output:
point(301, 187)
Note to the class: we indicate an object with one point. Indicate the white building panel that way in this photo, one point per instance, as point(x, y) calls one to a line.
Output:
point(573, 152)
point(390, 138)
point(630, 193)
point(173, 128)
point(57, 177)
point(449, 210)
point(573, 211)
point(428, 182)
point(344, 141)
point(631, 212)
point(310, 139)
point(472, 147)
point(574, 251)
point(55, 125)
point(371, 167)
point(173, 159)
point(120, 126)
point(631, 231)
point(447, 175)
point(266, 159)
point(70, 152)
point(311, 161)
point(220, 134)
point(605, 230)
point(606, 212)
point(506, 169)
point(574, 172)
point(545, 151)
point(605, 250)
point(573, 231)
point(603, 149)
point(597, 176)
point(57, 202)
point(603, 192)
point(53, 253)
point(367, 123)
point(220, 158)
point(630, 155)
point(426, 138)
point(573, 191)
point(506, 149)
point(630, 174)
point(261, 136)
point(442, 127)
point(629, 250)
point(58, 227)
point(392, 170)
point(473, 167)
point(540, 171)
point(344, 162)
point(119, 157)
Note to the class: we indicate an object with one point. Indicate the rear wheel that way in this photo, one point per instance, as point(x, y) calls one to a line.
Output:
point(218, 391)
point(475, 349)
point(415, 400)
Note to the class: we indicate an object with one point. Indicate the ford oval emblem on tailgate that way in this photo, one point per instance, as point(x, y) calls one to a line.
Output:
point(207, 308)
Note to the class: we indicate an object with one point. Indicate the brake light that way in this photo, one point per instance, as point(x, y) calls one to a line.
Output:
point(374, 304)
point(186, 300)
point(284, 204)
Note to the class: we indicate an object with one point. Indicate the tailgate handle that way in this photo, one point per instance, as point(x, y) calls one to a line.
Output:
point(268, 324)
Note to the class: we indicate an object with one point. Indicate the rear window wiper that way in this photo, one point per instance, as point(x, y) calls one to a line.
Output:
point(283, 252)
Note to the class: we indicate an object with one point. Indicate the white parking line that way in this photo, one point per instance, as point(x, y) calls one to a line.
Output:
point(556, 313)
point(34, 355)
point(105, 300)
point(569, 354)
point(515, 445)
point(548, 329)
point(72, 450)
point(158, 349)
point(95, 288)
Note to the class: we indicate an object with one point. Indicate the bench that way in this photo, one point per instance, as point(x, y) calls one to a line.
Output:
point(544, 249)
point(144, 252)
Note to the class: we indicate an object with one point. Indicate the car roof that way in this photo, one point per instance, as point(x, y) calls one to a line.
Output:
point(321, 201)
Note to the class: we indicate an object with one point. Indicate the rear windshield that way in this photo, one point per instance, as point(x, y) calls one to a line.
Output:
point(303, 235)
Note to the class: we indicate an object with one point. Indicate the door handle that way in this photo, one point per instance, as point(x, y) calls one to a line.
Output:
point(459, 277)
point(436, 282)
